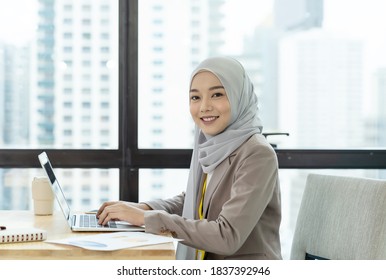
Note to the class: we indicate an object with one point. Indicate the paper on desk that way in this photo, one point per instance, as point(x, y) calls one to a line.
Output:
point(114, 241)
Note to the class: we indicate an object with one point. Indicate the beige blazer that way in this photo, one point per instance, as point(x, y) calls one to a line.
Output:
point(242, 207)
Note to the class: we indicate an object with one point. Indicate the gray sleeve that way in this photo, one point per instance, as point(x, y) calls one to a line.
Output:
point(172, 205)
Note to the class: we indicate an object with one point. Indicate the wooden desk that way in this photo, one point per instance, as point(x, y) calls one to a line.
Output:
point(57, 228)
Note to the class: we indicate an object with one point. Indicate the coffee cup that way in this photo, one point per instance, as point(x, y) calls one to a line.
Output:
point(42, 196)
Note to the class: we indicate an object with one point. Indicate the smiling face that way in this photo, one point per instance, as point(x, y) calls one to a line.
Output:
point(209, 104)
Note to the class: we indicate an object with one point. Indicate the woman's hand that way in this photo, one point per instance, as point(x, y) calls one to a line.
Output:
point(124, 211)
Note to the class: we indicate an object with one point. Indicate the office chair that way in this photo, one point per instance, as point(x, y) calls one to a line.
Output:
point(266, 134)
point(341, 218)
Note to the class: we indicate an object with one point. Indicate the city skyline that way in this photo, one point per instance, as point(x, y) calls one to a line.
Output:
point(77, 93)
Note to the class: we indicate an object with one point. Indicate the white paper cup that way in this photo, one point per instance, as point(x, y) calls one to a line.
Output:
point(42, 196)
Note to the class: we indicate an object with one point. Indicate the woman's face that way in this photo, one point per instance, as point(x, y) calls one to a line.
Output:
point(209, 104)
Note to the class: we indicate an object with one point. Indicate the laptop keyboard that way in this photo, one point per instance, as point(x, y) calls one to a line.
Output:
point(90, 220)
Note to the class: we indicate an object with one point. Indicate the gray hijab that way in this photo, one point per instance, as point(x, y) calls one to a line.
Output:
point(210, 151)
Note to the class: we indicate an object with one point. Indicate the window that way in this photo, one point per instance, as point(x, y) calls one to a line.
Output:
point(67, 8)
point(86, 22)
point(86, 36)
point(318, 77)
point(16, 184)
point(105, 36)
point(46, 96)
point(54, 53)
point(67, 35)
point(86, 8)
point(306, 71)
point(331, 71)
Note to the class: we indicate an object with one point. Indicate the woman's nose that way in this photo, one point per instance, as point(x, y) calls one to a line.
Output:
point(206, 105)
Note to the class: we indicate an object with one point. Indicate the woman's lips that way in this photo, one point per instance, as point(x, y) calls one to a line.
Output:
point(209, 119)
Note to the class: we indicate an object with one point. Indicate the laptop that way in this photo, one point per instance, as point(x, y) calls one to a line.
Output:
point(79, 221)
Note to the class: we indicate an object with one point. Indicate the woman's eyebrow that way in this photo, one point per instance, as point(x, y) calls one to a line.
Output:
point(216, 87)
point(211, 88)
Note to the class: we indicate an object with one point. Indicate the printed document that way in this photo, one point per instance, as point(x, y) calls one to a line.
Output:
point(114, 241)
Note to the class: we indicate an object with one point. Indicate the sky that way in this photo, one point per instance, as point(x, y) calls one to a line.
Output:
point(15, 21)
point(349, 16)
point(242, 20)
point(354, 16)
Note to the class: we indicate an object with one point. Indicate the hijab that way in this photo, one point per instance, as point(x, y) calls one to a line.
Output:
point(209, 151)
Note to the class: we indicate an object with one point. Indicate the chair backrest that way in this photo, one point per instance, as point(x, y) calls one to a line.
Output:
point(341, 218)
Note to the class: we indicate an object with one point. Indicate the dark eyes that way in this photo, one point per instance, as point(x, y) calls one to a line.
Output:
point(217, 94)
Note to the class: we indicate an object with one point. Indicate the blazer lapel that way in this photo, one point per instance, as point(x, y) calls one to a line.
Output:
point(214, 182)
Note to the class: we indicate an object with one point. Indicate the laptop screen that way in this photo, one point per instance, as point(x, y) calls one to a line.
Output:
point(60, 197)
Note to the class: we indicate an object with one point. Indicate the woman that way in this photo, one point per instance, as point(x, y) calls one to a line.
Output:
point(231, 208)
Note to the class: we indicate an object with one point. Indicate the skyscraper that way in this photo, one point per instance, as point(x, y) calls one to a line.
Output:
point(380, 79)
point(380, 89)
point(2, 91)
point(14, 119)
point(174, 37)
point(16, 95)
point(43, 77)
point(2, 194)
point(292, 15)
point(172, 40)
point(74, 102)
point(318, 68)
point(259, 58)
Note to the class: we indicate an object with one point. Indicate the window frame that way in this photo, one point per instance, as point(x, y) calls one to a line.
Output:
point(129, 159)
